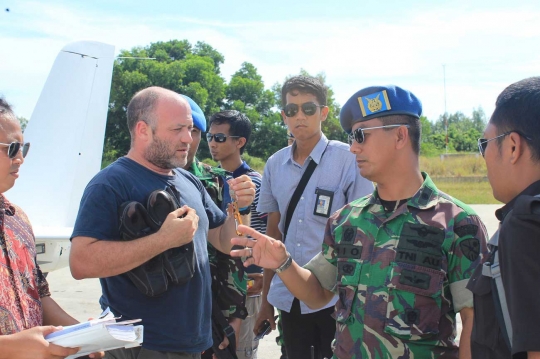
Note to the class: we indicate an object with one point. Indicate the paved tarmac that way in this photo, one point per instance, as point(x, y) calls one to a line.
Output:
point(80, 297)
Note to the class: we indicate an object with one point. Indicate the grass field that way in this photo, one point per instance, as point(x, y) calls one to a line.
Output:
point(462, 176)
point(468, 192)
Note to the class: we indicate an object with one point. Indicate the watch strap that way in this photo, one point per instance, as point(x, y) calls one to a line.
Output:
point(285, 264)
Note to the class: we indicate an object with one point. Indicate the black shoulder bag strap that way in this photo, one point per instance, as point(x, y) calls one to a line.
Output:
point(298, 192)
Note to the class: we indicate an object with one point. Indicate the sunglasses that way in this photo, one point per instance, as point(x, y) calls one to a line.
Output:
point(483, 142)
point(15, 147)
point(218, 137)
point(358, 134)
point(308, 108)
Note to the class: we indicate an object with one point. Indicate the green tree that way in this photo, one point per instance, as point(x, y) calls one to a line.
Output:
point(178, 66)
point(246, 93)
point(23, 121)
point(463, 132)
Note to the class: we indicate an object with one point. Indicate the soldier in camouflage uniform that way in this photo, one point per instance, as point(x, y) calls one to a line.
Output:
point(400, 258)
point(229, 282)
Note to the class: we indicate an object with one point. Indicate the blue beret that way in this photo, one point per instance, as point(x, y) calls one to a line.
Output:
point(378, 101)
point(199, 120)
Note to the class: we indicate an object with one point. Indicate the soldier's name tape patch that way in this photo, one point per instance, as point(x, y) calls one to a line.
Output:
point(348, 251)
point(419, 258)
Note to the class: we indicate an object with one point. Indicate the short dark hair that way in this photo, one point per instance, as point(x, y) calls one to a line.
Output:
point(6, 112)
point(141, 108)
point(239, 124)
point(415, 128)
point(518, 109)
point(304, 84)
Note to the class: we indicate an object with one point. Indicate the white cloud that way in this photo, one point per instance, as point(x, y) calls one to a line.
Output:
point(484, 51)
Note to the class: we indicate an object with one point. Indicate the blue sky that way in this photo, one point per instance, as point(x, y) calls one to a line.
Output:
point(484, 45)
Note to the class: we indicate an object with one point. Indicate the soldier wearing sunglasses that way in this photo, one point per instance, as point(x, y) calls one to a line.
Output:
point(334, 182)
point(27, 311)
point(400, 258)
point(228, 135)
point(506, 298)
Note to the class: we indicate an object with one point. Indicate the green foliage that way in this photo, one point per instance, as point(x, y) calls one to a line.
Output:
point(254, 162)
point(463, 133)
point(209, 161)
point(246, 94)
point(193, 71)
point(23, 121)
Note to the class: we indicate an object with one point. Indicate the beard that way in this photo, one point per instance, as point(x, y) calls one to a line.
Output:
point(160, 154)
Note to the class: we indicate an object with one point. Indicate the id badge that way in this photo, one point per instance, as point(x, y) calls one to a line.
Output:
point(323, 203)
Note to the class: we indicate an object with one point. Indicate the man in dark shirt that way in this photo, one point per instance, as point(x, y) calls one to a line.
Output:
point(177, 322)
point(511, 148)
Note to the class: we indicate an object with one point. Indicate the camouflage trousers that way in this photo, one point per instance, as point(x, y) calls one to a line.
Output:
point(247, 347)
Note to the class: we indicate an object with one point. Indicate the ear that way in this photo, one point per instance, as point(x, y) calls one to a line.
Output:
point(324, 113)
point(283, 117)
point(402, 137)
point(517, 147)
point(143, 131)
point(240, 142)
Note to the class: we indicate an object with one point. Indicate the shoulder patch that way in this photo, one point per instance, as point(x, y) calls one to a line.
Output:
point(468, 229)
point(470, 248)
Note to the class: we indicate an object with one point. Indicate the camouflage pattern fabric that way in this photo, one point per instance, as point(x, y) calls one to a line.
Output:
point(395, 272)
point(229, 280)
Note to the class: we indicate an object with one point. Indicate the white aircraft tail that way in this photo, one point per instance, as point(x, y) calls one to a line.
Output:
point(66, 132)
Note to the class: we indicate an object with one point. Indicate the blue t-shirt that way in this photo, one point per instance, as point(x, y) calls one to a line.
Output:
point(179, 319)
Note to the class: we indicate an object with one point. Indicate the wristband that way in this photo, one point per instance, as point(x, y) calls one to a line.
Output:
point(245, 210)
point(285, 264)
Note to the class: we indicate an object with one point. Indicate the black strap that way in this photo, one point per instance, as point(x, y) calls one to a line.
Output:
point(296, 195)
point(298, 192)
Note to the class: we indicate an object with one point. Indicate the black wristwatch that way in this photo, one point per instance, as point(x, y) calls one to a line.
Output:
point(245, 211)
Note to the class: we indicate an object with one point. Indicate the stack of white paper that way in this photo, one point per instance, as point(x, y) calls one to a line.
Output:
point(101, 334)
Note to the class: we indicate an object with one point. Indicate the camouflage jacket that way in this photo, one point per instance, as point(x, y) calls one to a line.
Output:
point(401, 276)
point(229, 280)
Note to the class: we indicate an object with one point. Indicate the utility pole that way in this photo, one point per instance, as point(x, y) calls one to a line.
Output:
point(445, 113)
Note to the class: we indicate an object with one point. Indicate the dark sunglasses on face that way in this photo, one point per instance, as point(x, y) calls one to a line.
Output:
point(358, 134)
point(308, 108)
point(218, 137)
point(483, 142)
point(15, 147)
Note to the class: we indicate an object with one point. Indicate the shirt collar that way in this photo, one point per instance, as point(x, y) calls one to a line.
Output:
point(316, 152)
point(532, 190)
point(426, 197)
point(6, 206)
point(244, 168)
